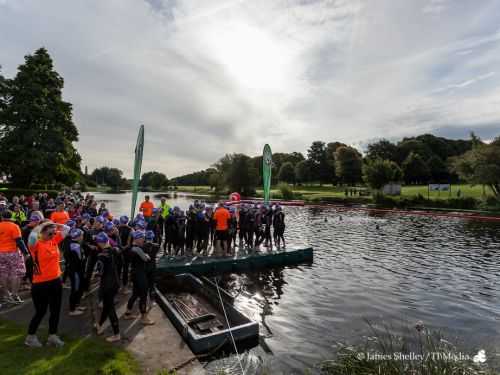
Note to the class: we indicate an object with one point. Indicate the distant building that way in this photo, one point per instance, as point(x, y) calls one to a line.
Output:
point(392, 189)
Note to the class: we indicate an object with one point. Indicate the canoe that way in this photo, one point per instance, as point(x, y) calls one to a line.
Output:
point(239, 263)
point(194, 308)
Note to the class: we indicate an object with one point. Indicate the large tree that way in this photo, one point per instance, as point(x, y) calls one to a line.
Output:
point(156, 180)
point(287, 173)
point(415, 169)
point(317, 158)
point(111, 177)
point(302, 172)
point(382, 149)
point(36, 126)
point(238, 173)
point(348, 163)
point(481, 165)
point(378, 173)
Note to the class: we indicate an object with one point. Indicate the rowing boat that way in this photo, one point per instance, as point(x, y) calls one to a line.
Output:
point(240, 262)
point(194, 306)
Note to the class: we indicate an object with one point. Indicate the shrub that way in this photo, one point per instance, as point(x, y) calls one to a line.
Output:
point(286, 191)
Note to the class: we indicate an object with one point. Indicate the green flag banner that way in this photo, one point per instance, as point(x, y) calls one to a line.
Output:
point(139, 148)
point(267, 164)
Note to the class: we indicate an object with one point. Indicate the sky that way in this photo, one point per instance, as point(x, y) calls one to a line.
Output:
point(208, 78)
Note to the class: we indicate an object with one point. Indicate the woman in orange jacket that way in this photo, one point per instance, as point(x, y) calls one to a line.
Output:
point(46, 290)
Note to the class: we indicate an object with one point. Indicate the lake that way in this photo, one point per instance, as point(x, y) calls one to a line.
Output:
point(389, 268)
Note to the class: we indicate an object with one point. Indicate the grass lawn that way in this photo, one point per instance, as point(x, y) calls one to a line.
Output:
point(79, 356)
point(466, 191)
point(317, 193)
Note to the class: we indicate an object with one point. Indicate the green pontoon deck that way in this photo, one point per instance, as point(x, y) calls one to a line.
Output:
point(237, 263)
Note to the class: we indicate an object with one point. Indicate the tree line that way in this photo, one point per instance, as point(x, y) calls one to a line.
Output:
point(413, 160)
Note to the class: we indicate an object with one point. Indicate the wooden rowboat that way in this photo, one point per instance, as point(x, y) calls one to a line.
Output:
point(194, 308)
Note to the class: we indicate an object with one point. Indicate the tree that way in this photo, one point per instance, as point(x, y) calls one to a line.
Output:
point(348, 164)
point(377, 173)
point(415, 170)
point(287, 173)
point(302, 172)
point(481, 165)
point(36, 126)
point(111, 177)
point(438, 172)
point(382, 149)
point(238, 173)
point(156, 180)
point(321, 171)
point(331, 148)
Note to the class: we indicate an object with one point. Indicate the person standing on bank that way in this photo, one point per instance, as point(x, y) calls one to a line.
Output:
point(146, 208)
point(139, 260)
point(222, 217)
point(109, 284)
point(12, 264)
point(46, 290)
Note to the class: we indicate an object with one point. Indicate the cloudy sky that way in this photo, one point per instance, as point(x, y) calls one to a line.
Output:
point(213, 77)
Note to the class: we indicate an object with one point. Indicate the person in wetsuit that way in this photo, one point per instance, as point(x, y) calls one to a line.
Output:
point(151, 249)
point(108, 286)
point(75, 271)
point(124, 231)
point(279, 226)
point(139, 259)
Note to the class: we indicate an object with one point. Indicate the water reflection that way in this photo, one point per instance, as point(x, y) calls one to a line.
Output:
point(380, 266)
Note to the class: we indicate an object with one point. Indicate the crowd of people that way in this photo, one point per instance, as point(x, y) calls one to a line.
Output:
point(39, 233)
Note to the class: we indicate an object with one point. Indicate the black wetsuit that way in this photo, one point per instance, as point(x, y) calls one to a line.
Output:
point(109, 285)
point(152, 250)
point(139, 279)
point(190, 229)
point(124, 232)
point(279, 226)
point(203, 233)
point(170, 233)
point(74, 270)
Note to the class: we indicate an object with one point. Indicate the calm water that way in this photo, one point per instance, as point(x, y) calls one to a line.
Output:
point(442, 271)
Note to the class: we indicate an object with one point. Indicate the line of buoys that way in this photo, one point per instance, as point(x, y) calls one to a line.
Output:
point(457, 215)
point(261, 201)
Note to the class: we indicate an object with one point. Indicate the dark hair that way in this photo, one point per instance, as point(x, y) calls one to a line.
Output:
point(6, 214)
point(147, 197)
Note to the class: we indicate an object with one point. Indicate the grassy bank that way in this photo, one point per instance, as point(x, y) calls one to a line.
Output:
point(79, 356)
point(462, 197)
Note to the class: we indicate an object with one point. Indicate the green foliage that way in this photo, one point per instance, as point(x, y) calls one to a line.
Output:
point(438, 172)
point(287, 173)
point(415, 170)
point(481, 165)
point(286, 191)
point(382, 149)
point(80, 356)
point(302, 172)
point(193, 179)
point(238, 173)
point(156, 180)
point(378, 173)
point(320, 169)
point(111, 177)
point(37, 132)
point(348, 164)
